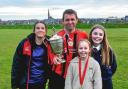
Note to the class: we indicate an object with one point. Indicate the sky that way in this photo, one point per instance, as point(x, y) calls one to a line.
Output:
point(38, 9)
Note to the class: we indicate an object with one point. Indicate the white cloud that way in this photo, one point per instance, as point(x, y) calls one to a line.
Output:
point(105, 11)
point(57, 11)
point(36, 1)
point(22, 11)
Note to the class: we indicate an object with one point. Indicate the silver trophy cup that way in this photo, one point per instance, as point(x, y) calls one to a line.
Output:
point(57, 46)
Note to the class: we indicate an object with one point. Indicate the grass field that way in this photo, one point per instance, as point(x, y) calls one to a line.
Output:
point(9, 39)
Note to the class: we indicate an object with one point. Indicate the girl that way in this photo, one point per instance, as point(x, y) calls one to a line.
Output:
point(30, 62)
point(103, 53)
point(83, 72)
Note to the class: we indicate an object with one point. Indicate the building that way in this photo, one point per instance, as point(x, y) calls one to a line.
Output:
point(51, 20)
point(126, 19)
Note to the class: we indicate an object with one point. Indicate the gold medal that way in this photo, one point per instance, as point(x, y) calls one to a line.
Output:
point(81, 87)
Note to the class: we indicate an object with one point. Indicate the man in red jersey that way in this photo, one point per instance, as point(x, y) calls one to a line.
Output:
point(71, 35)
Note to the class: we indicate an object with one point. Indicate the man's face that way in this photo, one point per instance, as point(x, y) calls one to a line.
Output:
point(70, 22)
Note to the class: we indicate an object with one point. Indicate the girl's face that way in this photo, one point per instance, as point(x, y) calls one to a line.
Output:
point(83, 49)
point(97, 36)
point(40, 30)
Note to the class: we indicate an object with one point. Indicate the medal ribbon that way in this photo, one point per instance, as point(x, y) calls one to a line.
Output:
point(81, 76)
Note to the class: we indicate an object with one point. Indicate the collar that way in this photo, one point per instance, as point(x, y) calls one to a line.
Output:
point(72, 32)
point(97, 47)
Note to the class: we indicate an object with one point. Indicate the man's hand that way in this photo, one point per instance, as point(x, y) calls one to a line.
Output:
point(57, 60)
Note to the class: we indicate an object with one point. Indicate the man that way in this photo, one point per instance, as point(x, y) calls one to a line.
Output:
point(71, 35)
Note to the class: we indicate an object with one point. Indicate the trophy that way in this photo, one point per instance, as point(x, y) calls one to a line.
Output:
point(56, 42)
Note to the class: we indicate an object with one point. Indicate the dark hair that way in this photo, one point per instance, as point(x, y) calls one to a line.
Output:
point(70, 11)
point(37, 23)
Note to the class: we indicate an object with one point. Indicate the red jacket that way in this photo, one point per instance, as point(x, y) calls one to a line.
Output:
point(70, 45)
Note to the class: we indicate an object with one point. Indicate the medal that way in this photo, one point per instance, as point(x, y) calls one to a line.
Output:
point(82, 75)
point(81, 87)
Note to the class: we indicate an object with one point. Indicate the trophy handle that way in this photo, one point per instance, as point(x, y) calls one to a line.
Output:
point(53, 29)
point(61, 58)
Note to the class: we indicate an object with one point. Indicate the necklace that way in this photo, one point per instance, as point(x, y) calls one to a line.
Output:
point(82, 75)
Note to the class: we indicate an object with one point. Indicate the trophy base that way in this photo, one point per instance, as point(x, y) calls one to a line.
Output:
point(62, 61)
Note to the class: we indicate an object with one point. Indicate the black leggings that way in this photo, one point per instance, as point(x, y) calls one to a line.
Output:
point(107, 84)
point(34, 86)
point(56, 81)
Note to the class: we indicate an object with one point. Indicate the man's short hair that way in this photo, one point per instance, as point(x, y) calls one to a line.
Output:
point(69, 11)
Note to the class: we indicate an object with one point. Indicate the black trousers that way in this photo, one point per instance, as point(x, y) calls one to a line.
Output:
point(56, 81)
point(34, 86)
point(107, 84)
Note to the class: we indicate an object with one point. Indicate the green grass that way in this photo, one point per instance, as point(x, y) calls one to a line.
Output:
point(9, 39)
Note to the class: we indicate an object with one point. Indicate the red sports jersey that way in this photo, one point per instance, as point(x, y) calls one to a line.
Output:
point(70, 43)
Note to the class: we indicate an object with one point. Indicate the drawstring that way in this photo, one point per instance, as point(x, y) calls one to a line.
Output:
point(66, 36)
point(74, 46)
point(28, 73)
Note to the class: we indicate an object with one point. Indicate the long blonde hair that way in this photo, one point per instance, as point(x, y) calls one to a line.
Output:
point(105, 44)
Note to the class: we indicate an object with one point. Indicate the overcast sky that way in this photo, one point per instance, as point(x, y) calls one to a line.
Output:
point(37, 9)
